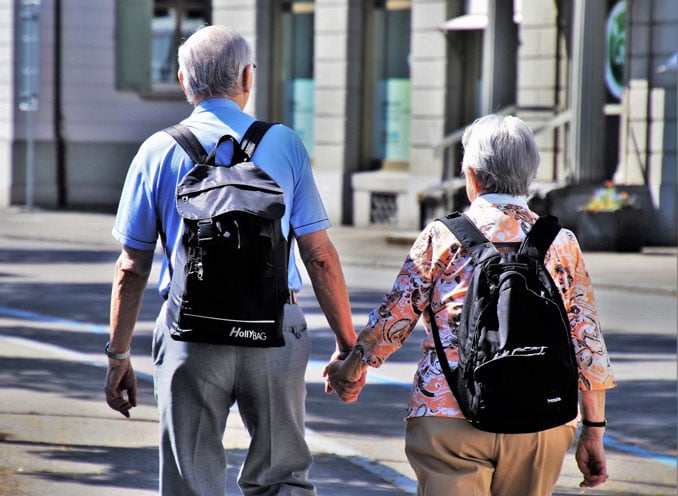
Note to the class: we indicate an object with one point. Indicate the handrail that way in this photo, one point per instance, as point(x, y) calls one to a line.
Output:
point(455, 137)
point(558, 120)
point(442, 190)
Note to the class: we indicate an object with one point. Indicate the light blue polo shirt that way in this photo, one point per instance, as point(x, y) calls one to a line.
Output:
point(150, 187)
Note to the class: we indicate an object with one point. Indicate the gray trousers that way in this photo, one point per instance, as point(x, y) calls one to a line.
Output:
point(195, 386)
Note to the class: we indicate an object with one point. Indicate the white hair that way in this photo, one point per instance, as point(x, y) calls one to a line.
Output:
point(502, 152)
point(212, 61)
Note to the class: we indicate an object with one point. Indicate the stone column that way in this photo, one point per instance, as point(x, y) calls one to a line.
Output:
point(241, 15)
point(429, 85)
point(499, 57)
point(331, 94)
point(588, 92)
point(8, 105)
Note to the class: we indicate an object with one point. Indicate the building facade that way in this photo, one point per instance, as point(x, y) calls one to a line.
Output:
point(378, 90)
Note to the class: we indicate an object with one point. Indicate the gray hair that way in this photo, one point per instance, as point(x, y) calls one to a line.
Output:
point(503, 154)
point(212, 61)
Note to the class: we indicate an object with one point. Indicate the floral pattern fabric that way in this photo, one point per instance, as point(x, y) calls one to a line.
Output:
point(436, 274)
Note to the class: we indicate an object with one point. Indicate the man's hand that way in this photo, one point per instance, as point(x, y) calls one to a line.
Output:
point(121, 378)
point(344, 377)
point(590, 456)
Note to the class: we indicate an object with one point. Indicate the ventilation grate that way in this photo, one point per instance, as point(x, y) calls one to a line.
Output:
point(383, 209)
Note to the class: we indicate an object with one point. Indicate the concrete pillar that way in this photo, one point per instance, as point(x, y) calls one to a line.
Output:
point(499, 57)
point(242, 16)
point(428, 71)
point(7, 104)
point(428, 64)
point(588, 92)
point(331, 84)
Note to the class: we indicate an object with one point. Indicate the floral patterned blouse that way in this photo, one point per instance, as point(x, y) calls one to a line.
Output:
point(436, 274)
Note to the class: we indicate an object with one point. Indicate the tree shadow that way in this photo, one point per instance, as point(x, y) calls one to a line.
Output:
point(137, 468)
point(61, 377)
point(87, 303)
point(378, 412)
point(133, 468)
point(46, 257)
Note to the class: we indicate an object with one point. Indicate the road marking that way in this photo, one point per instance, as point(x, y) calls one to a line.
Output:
point(373, 377)
point(36, 317)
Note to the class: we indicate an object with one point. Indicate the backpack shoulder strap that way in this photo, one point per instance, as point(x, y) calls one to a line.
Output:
point(187, 140)
point(468, 234)
point(540, 237)
point(253, 136)
point(440, 351)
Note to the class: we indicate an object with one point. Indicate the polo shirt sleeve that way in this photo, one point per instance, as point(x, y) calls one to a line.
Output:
point(308, 213)
point(136, 219)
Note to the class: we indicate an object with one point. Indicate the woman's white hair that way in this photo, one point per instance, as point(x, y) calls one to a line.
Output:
point(212, 61)
point(502, 152)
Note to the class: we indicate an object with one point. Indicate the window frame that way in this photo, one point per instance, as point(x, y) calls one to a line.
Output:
point(134, 45)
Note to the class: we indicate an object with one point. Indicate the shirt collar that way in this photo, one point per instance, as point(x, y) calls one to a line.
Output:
point(501, 199)
point(212, 104)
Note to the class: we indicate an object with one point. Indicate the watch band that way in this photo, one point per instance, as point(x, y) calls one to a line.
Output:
point(116, 356)
point(588, 423)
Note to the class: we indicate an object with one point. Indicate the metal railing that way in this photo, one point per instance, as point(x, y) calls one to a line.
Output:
point(448, 194)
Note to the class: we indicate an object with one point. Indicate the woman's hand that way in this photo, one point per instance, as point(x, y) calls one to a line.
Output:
point(346, 377)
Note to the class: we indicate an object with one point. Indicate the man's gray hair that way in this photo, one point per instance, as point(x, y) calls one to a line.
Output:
point(502, 152)
point(212, 61)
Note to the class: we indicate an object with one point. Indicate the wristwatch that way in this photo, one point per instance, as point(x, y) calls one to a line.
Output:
point(588, 423)
point(116, 356)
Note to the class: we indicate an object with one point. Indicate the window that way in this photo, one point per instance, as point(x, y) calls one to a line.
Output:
point(296, 68)
point(173, 21)
point(148, 33)
point(388, 77)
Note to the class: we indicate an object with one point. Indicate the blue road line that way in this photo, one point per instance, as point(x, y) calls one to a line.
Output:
point(610, 441)
point(36, 317)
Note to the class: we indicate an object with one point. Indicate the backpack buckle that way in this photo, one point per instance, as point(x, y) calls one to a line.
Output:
point(205, 230)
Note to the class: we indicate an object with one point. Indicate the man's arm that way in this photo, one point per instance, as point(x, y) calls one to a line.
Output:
point(129, 283)
point(590, 453)
point(322, 263)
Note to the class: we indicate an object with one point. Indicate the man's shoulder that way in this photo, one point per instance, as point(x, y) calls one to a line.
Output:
point(284, 135)
point(157, 142)
point(282, 140)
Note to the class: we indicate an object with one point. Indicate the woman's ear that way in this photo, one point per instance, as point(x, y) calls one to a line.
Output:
point(472, 185)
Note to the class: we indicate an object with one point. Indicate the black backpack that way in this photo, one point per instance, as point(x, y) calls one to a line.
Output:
point(517, 371)
point(229, 284)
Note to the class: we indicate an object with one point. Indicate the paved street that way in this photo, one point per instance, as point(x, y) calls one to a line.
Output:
point(57, 436)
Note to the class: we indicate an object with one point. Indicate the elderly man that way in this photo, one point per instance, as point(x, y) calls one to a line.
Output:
point(197, 383)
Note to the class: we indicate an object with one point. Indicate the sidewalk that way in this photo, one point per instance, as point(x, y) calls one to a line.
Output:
point(56, 431)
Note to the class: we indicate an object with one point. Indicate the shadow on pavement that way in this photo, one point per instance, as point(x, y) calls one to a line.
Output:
point(60, 377)
point(37, 257)
point(99, 465)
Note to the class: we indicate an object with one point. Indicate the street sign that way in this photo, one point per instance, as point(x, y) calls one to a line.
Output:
point(29, 89)
point(29, 17)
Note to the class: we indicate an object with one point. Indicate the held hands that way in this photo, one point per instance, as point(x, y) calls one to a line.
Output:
point(590, 456)
point(345, 376)
point(121, 378)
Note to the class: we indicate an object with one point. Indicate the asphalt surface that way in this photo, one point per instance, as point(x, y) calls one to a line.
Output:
point(58, 437)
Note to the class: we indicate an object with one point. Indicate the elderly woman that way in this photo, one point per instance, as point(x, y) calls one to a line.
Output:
point(447, 453)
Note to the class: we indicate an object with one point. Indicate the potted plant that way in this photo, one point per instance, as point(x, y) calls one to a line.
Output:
point(610, 221)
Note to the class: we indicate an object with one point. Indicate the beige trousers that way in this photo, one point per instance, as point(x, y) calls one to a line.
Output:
point(452, 458)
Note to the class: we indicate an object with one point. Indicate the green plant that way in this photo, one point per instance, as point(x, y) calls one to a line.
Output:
point(608, 199)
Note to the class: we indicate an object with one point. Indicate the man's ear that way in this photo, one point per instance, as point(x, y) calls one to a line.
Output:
point(247, 78)
point(180, 76)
